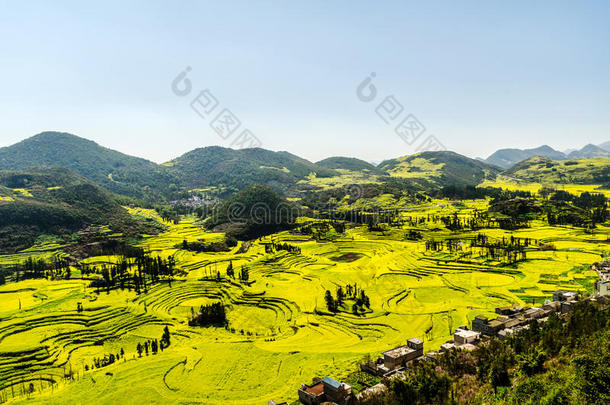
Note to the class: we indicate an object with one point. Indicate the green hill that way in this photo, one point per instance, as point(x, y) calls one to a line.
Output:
point(237, 169)
point(589, 151)
point(115, 171)
point(575, 171)
point(440, 169)
point(54, 201)
point(351, 164)
point(507, 158)
point(253, 212)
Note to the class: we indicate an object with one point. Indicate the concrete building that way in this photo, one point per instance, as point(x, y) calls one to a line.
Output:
point(535, 313)
point(554, 306)
point(603, 288)
point(463, 336)
point(312, 394)
point(505, 311)
point(325, 390)
point(336, 391)
point(565, 296)
point(401, 355)
point(485, 326)
point(445, 347)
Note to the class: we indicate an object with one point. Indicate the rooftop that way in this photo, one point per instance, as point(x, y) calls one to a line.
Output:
point(398, 351)
point(466, 334)
point(331, 381)
point(415, 341)
point(315, 389)
point(335, 384)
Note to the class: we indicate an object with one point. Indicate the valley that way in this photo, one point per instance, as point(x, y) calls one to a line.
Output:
point(102, 296)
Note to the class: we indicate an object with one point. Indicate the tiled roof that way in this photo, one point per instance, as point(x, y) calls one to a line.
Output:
point(332, 382)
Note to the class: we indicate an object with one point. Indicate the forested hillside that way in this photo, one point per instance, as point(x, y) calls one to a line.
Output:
point(54, 201)
point(581, 171)
point(113, 170)
point(236, 169)
point(440, 168)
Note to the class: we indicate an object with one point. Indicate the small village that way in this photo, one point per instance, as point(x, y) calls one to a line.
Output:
point(394, 362)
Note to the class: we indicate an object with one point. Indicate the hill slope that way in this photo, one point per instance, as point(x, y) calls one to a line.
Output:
point(507, 158)
point(581, 171)
point(237, 169)
point(115, 171)
point(440, 168)
point(53, 201)
point(589, 151)
point(351, 164)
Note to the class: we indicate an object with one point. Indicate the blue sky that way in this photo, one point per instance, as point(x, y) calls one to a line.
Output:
point(478, 75)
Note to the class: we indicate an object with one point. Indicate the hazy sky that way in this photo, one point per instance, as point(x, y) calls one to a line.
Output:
point(478, 75)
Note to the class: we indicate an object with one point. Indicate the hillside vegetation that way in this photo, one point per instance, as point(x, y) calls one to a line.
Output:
point(351, 164)
point(581, 171)
point(440, 169)
point(507, 158)
point(53, 201)
point(115, 171)
point(237, 169)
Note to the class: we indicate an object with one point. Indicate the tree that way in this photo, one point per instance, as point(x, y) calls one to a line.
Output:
point(165, 339)
point(230, 271)
point(330, 301)
point(244, 274)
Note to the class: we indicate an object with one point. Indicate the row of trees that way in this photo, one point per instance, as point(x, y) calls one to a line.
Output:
point(273, 247)
point(128, 272)
point(154, 345)
point(56, 268)
point(108, 359)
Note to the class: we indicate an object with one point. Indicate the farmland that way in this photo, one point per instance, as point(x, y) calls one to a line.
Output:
point(280, 332)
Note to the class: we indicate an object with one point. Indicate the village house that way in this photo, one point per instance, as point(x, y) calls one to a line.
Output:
point(603, 288)
point(312, 394)
point(535, 313)
point(490, 328)
point(445, 347)
point(325, 390)
point(565, 296)
point(402, 355)
point(506, 311)
point(465, 336)
point(396, 358)
point(554, 306)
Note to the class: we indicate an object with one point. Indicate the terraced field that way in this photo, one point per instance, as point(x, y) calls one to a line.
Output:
point(280, 332)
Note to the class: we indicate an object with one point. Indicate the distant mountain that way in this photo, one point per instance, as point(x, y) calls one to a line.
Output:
point(237, 169)
point(507, 158)
point(440, 168)
point(115, 171)
point(605, 146)
point(54, 201)
point(346, 163)
point(589, 151)
point(574, 171)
